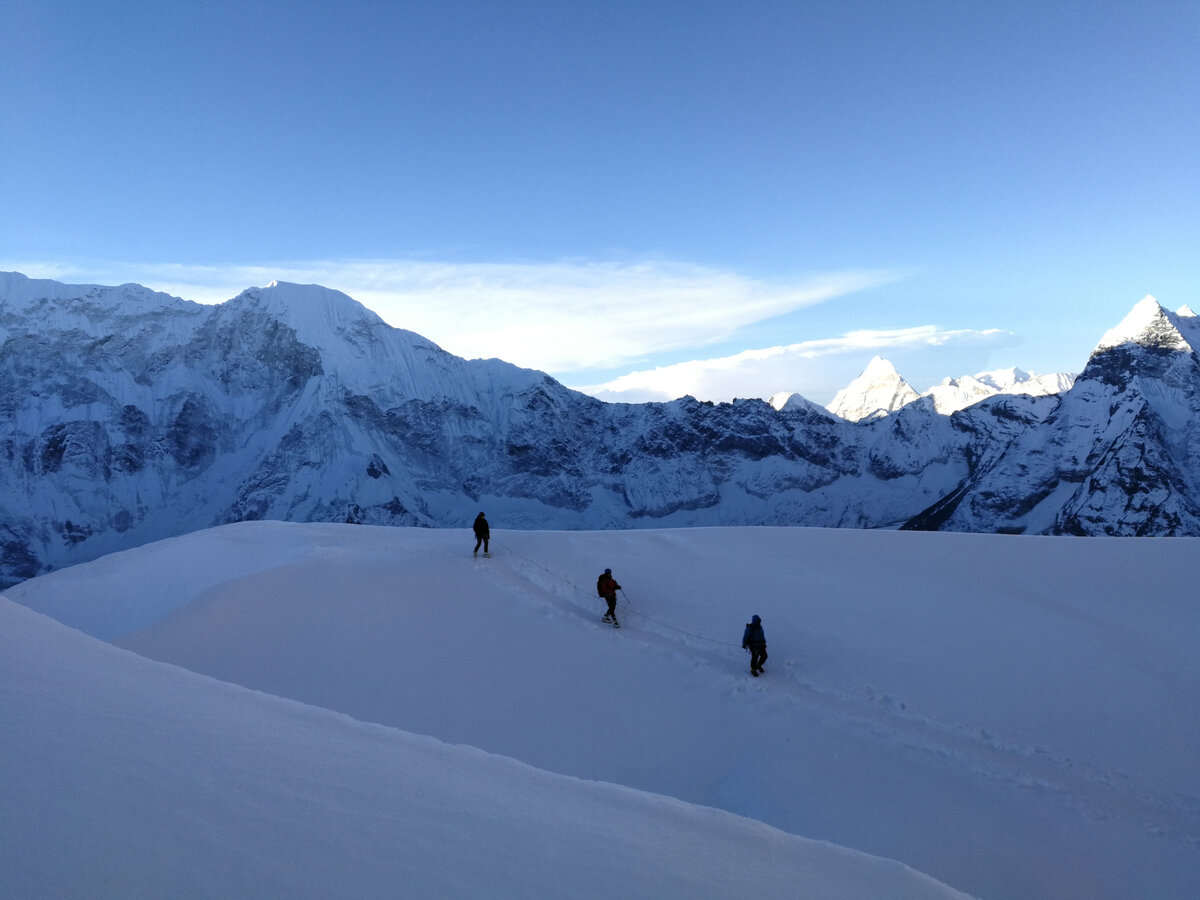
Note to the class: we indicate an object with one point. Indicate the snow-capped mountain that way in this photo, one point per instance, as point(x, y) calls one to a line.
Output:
point(954, 394)
point(129, 416)
point(878, 391)
point(1120, 454)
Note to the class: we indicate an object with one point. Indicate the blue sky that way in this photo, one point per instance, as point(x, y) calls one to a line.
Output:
point(600, 188)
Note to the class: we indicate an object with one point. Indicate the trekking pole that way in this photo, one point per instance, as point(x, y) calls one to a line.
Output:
point(625, 597)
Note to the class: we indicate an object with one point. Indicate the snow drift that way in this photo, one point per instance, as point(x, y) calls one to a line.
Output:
point(1016, 717)
point(126, 778)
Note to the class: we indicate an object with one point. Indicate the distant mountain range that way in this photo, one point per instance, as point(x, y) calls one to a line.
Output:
point(880, 390)
point(128, 415)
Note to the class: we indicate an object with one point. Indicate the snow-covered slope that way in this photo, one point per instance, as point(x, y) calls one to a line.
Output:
point(1119, 455)
point(132, 416)
point(1015, 716)
point(128, 778)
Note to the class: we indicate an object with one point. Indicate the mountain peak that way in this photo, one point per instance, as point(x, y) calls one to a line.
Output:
point(1148, 325)
point(878, 391)
point(19, 291)
point(954, 394)
point(879, 367)
point(318, 314)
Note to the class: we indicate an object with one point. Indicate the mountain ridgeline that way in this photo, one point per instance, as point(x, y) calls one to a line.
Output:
point(127, 416)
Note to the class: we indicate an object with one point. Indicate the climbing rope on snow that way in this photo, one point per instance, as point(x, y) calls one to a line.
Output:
point(700, 637)
point(628, 604)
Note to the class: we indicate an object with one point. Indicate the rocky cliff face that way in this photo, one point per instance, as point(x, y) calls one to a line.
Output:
point(128, 416)
point(1118, 455)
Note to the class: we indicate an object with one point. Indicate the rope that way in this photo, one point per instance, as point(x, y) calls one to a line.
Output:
point(660, 624)
point(628, 603)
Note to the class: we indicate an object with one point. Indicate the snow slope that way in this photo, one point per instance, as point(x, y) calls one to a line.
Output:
point(1018, 717)
point(128, 778)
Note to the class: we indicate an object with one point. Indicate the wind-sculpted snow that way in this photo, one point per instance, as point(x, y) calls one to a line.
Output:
point(127, 416)
point(128, 778)
point(1018, 717)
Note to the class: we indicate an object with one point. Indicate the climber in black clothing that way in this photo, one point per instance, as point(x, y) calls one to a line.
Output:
point(754, 640)
point(482, 533)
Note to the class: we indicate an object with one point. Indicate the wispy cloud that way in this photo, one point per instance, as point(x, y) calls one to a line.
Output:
point(576, 316)
point(803, 367)
point(558, 317)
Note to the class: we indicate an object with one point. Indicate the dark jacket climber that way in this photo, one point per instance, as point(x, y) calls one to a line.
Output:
point(482, 533)
point(755, 640)
point(607, 587)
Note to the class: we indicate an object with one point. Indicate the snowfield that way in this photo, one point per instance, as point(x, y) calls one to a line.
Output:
point(1016, 717)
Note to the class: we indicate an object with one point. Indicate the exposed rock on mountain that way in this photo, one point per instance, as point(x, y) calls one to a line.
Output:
point(1118, 455)
point(127, 416)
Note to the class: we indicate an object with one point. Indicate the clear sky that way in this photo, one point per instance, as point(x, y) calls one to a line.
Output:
point(768, 192)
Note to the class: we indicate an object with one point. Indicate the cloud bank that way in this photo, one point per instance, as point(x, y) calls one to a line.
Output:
point(583, 317)
point(792, 368)
point(559, 317)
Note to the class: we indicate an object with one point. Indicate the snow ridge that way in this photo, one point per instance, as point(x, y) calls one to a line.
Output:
point(880, 697)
